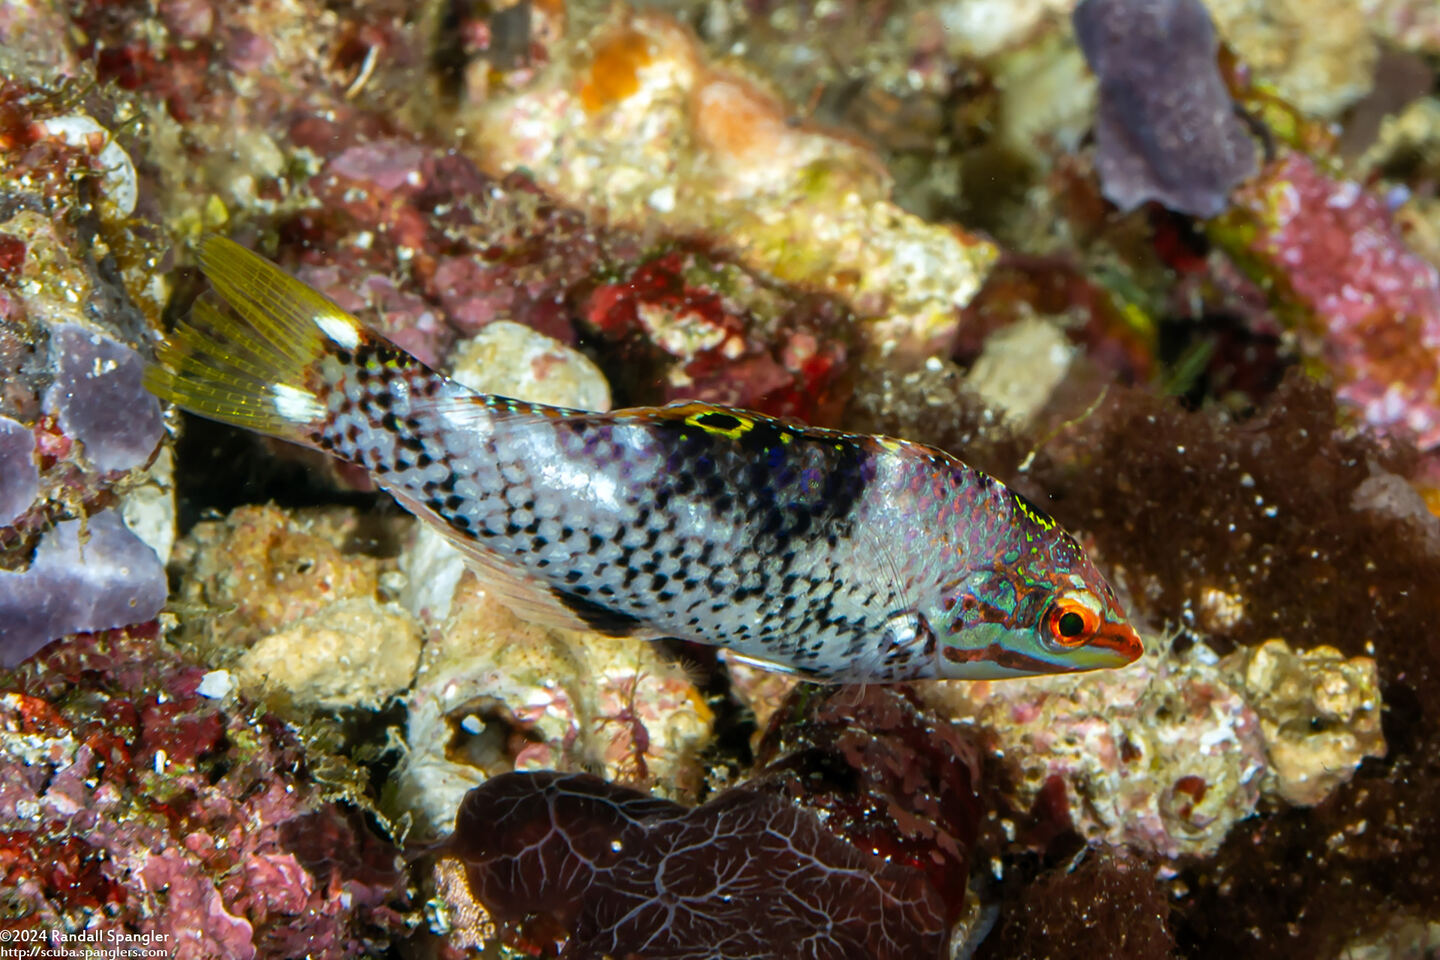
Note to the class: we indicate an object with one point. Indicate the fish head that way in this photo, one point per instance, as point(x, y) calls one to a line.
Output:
point(1046, 611)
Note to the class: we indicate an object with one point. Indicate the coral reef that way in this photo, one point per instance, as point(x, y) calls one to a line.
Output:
point(371, 204)
point(889, 218)
point(70, 261)
point(796, 862)
point(496, 694)
point(1408, 24)
point(299, 602)
point(511, 360)
point(1018, 369)
point(353, 653)
point(1318, 56)
point(1167, 759)
point(1166, 128)
point(619, 115)
point(711, 332)
point(132, 804)
point(77, 424)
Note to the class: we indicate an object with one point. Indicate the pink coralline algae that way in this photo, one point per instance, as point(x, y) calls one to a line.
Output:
point(1367, 308)
point(1166, 127)
point(97, 398)
point(130, 804)
point(852, 845)
point(112, 580)
point(700, 325)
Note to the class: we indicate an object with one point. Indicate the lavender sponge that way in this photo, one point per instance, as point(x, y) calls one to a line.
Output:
point(113, 581)
point(1166, 127)
point(98, 398)
point(19, 477)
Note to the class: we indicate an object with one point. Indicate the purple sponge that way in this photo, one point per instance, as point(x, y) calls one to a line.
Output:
point(99, 399)
point(19, 477)
point(112, 581)
point(1166, 127)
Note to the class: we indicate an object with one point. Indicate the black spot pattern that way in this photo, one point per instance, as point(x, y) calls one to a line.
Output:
point(726, 528)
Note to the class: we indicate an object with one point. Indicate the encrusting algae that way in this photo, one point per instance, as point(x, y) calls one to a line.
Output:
point(836, 556)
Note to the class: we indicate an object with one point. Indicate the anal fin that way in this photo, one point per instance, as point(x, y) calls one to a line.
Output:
point(530, 597)
point(601, 619)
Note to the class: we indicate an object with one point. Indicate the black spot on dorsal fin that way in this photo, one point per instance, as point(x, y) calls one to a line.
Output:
point(599, 618)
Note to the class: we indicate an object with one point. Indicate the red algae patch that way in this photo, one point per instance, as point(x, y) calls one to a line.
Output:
point(851, 843)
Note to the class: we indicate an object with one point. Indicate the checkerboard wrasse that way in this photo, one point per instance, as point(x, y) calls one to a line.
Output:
point(835, 556)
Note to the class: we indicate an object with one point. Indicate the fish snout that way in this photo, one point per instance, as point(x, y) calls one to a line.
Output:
point(1115, 644)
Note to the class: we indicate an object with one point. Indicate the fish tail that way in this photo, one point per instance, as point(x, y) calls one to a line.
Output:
point(262, 366)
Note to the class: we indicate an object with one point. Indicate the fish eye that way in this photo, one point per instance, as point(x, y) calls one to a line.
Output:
point(1070, 622)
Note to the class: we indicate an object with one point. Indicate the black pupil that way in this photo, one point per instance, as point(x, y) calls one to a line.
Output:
point(1071, 625)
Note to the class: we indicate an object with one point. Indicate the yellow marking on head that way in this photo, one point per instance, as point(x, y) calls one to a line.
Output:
point(1044, 522)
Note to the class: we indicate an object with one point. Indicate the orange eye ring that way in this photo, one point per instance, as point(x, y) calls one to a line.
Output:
point(1070, 623)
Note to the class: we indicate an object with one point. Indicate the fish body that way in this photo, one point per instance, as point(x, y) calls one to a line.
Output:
point(837, 556)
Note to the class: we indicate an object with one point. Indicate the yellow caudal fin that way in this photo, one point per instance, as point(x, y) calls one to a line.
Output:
point(259, 367)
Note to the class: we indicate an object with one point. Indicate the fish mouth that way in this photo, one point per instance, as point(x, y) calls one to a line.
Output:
point(1116, 644)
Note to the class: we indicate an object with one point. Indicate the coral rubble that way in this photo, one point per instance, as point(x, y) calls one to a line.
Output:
point(496, 694)
point(633, 118)
point(1319, 714)
point(1319, 56)
point(297, 603)
point(1167, 759)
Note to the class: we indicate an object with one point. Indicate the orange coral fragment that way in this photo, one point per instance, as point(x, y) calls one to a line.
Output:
point(614, 74)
